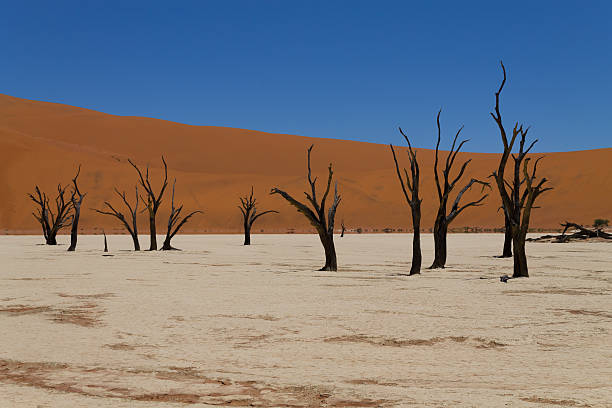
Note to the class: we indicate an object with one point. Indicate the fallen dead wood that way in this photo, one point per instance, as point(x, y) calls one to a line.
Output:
point(579, 233)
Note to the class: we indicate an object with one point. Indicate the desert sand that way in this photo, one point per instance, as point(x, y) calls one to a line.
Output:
point(43, 143)
point(222, 324)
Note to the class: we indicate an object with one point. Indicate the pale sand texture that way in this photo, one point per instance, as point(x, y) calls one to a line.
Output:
point(222, 324)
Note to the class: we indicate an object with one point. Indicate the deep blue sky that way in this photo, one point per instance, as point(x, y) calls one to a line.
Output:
point(349, 70)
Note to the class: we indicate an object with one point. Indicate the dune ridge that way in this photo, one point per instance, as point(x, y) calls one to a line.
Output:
point(43, 143)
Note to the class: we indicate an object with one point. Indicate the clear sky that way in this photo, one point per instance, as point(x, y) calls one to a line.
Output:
point(335, 69)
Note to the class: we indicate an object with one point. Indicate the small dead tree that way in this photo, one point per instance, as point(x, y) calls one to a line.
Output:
point(51, 220)
point(152, 200)
point(517, 205)
point(324, 225)
point(343, 228)
point(175, 222)
point(105, 242)
point(248, 208)
point(444, 189)
point(132, 225)
point(411, 184)
point(76, 199)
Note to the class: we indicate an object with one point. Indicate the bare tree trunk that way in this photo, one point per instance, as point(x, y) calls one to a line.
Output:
point(417, 258)
point(75, 226)
point(507, 238)
point(440, 231)
point(153, 232)
point(166, 245)
point(76, 199)
point(136, 243)
point(105, 242)
point(51, 240)
point(331, 263)
point(520, 257)
point(247, 233)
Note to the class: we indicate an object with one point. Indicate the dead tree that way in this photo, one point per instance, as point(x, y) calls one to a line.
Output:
point(105, 242)
point(316, 216)
point(581, 233)
point(76, 199)
point(51, 220)
point(411, 184)
point(444, 189)
point(343, 228)
point(132, 225)
point(153, 200)
point(175, 223)
point(517, 204)
point(248, 208)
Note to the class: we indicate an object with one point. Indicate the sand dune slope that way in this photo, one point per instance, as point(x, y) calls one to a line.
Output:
point(42, 143)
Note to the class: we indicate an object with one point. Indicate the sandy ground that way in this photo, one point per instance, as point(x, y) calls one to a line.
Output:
point(221, 324)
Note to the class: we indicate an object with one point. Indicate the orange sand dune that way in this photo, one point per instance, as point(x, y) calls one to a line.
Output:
point(43, 143)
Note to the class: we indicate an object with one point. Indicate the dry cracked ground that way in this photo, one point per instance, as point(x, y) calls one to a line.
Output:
point(219, 324)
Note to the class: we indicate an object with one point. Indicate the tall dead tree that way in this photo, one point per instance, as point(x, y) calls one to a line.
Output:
point(175, 222)
point(248, 208)
point(152, 200)
point(517, 204)
point(444, 189)
point(131, 226)
point(324, 225)
point(51, 220)
point(76, 198)
point(411, 184)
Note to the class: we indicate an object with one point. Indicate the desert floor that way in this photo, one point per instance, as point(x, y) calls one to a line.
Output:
point(222, 324)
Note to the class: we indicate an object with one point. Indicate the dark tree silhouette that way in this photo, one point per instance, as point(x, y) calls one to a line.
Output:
point(152, 200)
point(517, 204)
point(343, 228)
point(411, 184)
point(248, 208)
point(316, 216)
point(580, 233)
point(444, 189)
point(51, 220)
point(76, 199)
point(175, 222)
point(132, 225)
point(507, 251)
point(105, 242)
